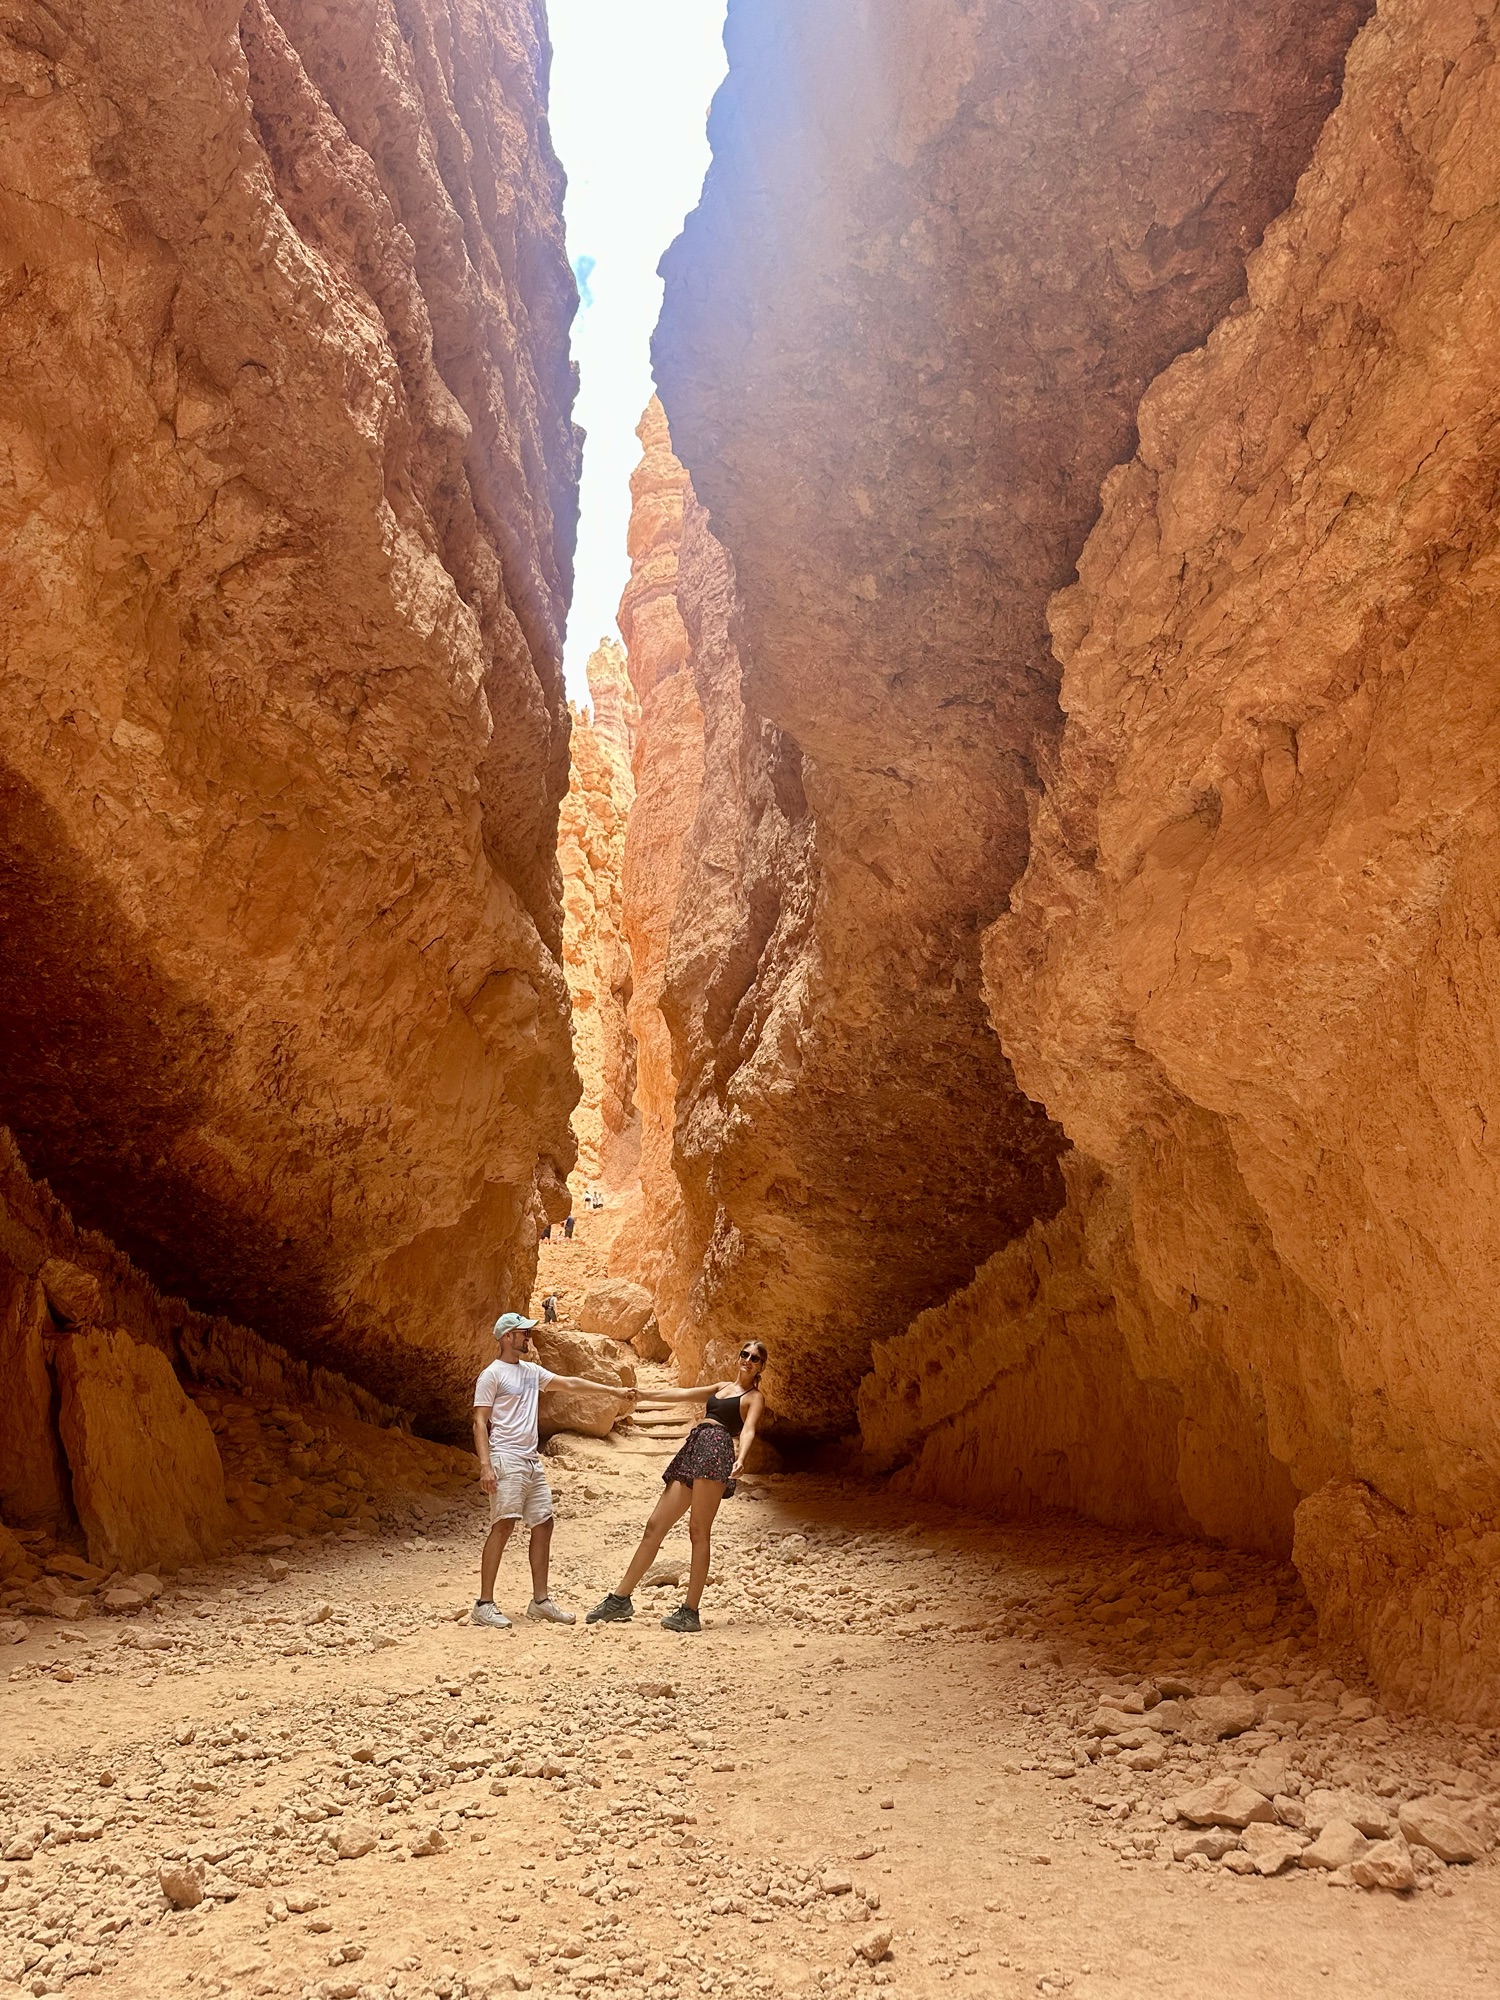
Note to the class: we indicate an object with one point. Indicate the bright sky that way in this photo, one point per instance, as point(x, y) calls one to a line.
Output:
point(631, 83)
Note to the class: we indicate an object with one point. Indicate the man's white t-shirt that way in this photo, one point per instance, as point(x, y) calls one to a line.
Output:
point(509, 1391)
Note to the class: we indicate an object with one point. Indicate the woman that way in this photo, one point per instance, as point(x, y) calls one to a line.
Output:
point(699, 1477)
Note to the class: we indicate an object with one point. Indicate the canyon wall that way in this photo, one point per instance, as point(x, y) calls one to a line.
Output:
point(152, 1435)
point(650, 1248)
point(1252, 964)
point(288, 515)
point(596, 961)
point(942, 251)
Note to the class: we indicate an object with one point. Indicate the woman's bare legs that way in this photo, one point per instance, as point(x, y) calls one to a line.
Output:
point(668, 1511)
point(707, 1493)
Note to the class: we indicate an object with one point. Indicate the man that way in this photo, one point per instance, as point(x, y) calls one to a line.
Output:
point(549, 1309)
point(510, 1466)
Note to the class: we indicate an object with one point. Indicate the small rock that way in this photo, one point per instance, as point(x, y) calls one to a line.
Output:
point(185, 1733)
point(319, 1615)
point(278, 1571)
point(352, 1840)
point(1372, 1818)
point(71, 1607)
point(1289, 1810)
point(20, 1849)
point(1338, 1844)
point(834, 1884)
point(1218, 1715)
point(1385, 1865)
point(123, 1600)
point(1215, 1844)
point(432, 1841)
point(1225, 1802)
point(1272, 1847)
point(12, 1631)
point(498, 1977)
point(1209, 1582)
point(1433, 1823)
point(875, 1945)
point(181, 1883)
point(1150, 1757)
point(1268, 1773)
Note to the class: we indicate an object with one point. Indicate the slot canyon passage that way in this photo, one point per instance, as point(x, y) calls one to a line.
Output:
point(1009, 928)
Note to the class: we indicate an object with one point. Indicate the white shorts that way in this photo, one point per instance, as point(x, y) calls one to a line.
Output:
point(521, 1492)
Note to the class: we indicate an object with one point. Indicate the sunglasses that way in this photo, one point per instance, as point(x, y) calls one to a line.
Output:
point(752, 1354)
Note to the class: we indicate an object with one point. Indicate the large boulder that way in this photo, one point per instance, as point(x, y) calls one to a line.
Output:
point(568, 1352)
point(616, 1308)
point(148, 1482)
point(597, 1359)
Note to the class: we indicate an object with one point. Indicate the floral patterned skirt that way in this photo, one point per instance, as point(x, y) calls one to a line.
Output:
point(707, 1452)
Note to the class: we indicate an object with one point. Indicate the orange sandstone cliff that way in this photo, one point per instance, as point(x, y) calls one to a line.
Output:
point(940, 255)
point(591, 853)
point(288, 519)
point(1125, 591)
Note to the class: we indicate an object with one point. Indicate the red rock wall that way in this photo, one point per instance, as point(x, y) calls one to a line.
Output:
point(1250, 966)
point(941, 253)
point(288, 526)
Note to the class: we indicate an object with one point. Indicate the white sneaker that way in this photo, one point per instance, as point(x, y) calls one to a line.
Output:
point(489, 1614)
point(543, 1607)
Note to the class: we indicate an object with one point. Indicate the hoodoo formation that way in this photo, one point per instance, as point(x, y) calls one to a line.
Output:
point(289, 522)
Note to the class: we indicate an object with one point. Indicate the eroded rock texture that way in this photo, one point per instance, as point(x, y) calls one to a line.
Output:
point(1252, 964)
point(941, 252)
point(288, 512)
point(155, 1435)
point(651, 1249)
point(591, 853)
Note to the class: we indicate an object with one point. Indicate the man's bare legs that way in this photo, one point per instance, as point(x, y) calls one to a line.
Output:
point(540, 1553)
point(489, 1559)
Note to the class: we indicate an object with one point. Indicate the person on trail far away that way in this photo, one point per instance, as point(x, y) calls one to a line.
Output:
point(568, 1228)
point(510, 1465)
point(549, 1309)
point(700, 1476)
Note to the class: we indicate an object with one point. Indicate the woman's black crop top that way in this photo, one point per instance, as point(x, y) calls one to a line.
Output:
point(726, 1410)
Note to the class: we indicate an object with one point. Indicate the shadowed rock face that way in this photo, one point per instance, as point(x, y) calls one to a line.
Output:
point(288, 544)
point(941, 252)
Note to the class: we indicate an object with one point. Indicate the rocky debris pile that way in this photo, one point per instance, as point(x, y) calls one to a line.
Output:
point(306, 1472)
point(295, 1474)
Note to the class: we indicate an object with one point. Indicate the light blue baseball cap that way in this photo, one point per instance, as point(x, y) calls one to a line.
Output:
point(512, 1323)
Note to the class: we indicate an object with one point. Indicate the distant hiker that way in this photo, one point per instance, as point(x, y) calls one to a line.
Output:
point(510, 1465)
point(547, 1233)
point(568, 1227)
point(549, 1309)
point(700, 1476)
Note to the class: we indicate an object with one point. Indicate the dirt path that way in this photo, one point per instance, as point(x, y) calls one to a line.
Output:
point(876, 1733)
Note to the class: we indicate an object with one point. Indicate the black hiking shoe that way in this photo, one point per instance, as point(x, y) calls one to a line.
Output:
point(683, 1619)
point(611, 1610)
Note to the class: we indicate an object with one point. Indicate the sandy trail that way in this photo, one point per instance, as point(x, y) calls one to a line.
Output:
point(622, 1810)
